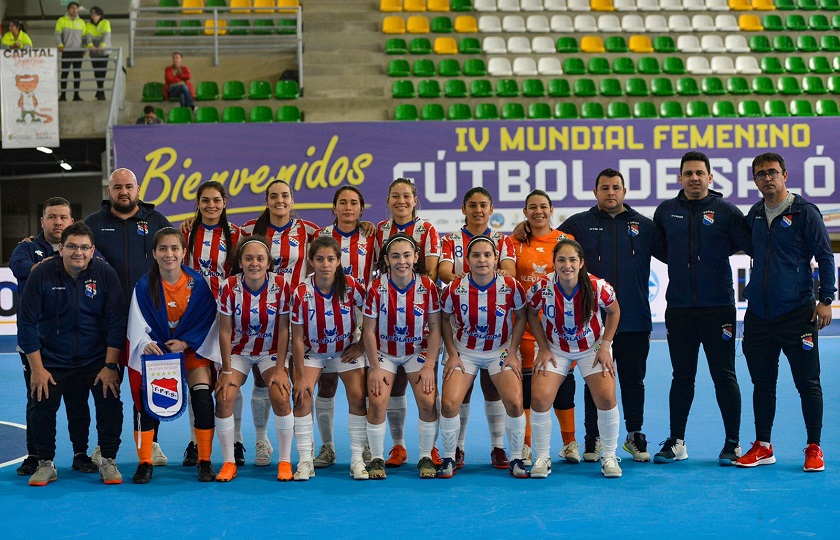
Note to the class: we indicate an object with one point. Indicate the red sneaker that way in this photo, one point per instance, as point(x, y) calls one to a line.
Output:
point(436, 459)
point(459, 458)
point(499, 458)
point(757, 455)
point(814, 461)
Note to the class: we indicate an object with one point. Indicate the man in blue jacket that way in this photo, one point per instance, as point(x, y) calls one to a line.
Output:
point(701, 231)
point(71, 326)
point(25, 258)
point(612, 234)
point(782, 312)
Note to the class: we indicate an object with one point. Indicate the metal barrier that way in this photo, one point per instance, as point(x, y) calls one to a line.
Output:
point(87, 73)
point(117, 100)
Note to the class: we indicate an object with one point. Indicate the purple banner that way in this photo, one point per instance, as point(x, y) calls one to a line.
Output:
point(447, 158)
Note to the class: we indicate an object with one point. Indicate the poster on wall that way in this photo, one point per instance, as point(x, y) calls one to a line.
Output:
point(29, 97)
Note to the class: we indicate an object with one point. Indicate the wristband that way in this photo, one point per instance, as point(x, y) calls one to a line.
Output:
point(226, 373)
point(606, 341)
point(112, 367)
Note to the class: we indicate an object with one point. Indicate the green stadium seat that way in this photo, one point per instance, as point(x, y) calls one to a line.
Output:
point(234, 115)
point(449, 67)
point(433, 111)
point(827, 107)
point(697, 109)
point(618, 109)
point(673, 65)
point(160, 114)
point(455, 88)
point(288, 113)
point(623, 66)
point(287, 26)
point(664, 44)
point(286, 89)
point(423, 68)
point(585, 88)
point(567, 45)
point(180, 115)
point(808, 5)
point(598, 65)
point(402, 89)
point(486, 111)
point(533, 88)
point(813, 85)
point(610, 88)
point(207, 115)
point(796, 65)
point(261, 114)
point(773, 23)
point(239, 28)
point(461, 5)
point(207, 91)
point(783, 43)
point(441, 25)
point(481, 88)
point(399, 68)
point(507, 88)
point(796, 23)
point(539, 111)
point(153, 91)
point(469, 45)
point(636, 87)
point(788, 86)
point(671, 109)
point(263, 27)
point(615, 44)
point(829, 5)
point(760, 44)
point(835, 22)
point(574, 66)
point(763, 86)
point(807, 44)
point(592, 109)
point(661, 87)
point(749, 108)
point(396, 46)
point(819, 23)
point(163, 28)
point(513, 111)
point(191, 28)
point(712, 86)
point(644, 109)
point(738, 86)
point(801, 107)
point(420, 46)
point(775, 108)
point(259, 90)
point(724, 109)
point(649, 65)
point(459, 111)
point(168, 4)
point(819, 64)
point(836, 63)
point(687, 86)
point(475, 67)
point(559, 88)
point(786, 5)
point(566, 111)
point(833, 84)
point(429, 88)
point(830, 43)
point(233, 90)
point(771, 65)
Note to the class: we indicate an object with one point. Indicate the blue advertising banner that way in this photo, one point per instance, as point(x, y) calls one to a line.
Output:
point(447, 158)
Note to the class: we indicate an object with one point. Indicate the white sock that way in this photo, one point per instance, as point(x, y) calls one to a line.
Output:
point(376, 440)
point(515, 428)
point(224, 431)
point(237, 415)
point(426, 431)
point(396, 414)
point(464, 415)
point(608, 426)
point(303, 436)
point(495, 413)
point(192, 421)
point(285, 428)
point(541, 433)
point(260, 409)
point(357, 425)
point(325, 413)
point(449, 434)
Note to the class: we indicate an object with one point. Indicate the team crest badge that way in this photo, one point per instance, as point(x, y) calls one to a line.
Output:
point(727, 331)
point(90, 289)
point(708, 218)
point(418, 311)
point(191, 284)
point(163, 385)
point(345, 309)
point(271, 309)
point(500, 311)
point(142, 228)
point(787, 221)
point(362, 250)
point(807, 342)
point(633, 229)
point(294, 242)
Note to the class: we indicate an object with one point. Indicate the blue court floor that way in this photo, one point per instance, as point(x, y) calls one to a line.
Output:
point(690, 499)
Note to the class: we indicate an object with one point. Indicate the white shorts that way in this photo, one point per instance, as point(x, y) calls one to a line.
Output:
point(331, 363)
point(584, 361)
point(475, 360)
point(242, 363)
point(411, 364)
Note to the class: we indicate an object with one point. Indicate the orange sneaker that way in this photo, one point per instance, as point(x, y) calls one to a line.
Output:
point(397, 456)
point(814, 461)
point(227, 473)
point(284, 472)
point(436, 459)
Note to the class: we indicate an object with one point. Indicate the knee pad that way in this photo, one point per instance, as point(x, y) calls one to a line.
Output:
point(565, 398)
point(526, 389)
point(202, 402)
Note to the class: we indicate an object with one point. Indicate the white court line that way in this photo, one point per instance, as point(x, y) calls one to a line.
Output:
point(20, 459)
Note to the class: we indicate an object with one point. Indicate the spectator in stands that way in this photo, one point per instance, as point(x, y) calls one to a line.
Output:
point(16, 37)
point(149, 117)
point(97, 39)
point(70, 33)
point(177, 82)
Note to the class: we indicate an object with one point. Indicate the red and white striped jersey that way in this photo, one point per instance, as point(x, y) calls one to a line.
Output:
point(255, 314)
point(357, 252)
point(562, 316)
point(423, 232)
point(482, 317)
point(454, 248)
point(210, 253)
point(288, 246)
point(402, 313)
point(328, 321)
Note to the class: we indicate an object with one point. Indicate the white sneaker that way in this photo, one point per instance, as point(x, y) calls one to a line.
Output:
point(305, 471)
point(541, 468)
point(158, 458)
point(96, 456)
point(527, 456)
point(595, 454)
point(264, 451)
point(358, 471)
point(571, 452)
point(609, 467)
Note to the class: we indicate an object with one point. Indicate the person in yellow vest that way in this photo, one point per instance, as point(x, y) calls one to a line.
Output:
point(98, 38)
point(16, 37)
point(70, 33)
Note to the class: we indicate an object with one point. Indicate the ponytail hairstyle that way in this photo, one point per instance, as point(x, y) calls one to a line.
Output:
point(261, 226)
point(470, 193)
point(155, 286)
point(340, 279)
point(381, 264)
point(536, 193)
point(355, 190)
point(236, 267)
point(410, 183)
point(223, 220)
point(587, 295)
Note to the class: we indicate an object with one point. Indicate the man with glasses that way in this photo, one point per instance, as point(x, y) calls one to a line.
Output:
point(783, 314)
point(71, 326)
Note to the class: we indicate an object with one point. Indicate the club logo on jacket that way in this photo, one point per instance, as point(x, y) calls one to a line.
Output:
point(90, 288)
point(142, 228)
point(787, 221)
point(708, 217)
point(807, 342)
point(727, 331)
point(633, 228)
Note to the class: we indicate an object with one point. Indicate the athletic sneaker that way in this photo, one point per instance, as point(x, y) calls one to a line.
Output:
point(284, 472)
point(591, 449)
point(305, 471)
point(238, 454)
point(447, 468)
point(325, 457)
point(814, 461)
point(143, 474)
point(527, 456)
point(426, 467)
point(499, 458)
point(158, 457)
point(541, 468)
point(227, 473)
point(28, 467)
point(376, 469)
point(44, 474)
point(264, 451)
point(108, 472)
point(517, 469)
point(571, 452)
point(730, 453)
point(190, 455)
point(366, 457)
point(637, 447)
point(459, 458)
point(672, 450)
point(96, 456)
point(436, 459)
point(83, 463)
point(358, 471)
point(397, 456)
point(757, 455)
point(205, 471)
point(609, 467)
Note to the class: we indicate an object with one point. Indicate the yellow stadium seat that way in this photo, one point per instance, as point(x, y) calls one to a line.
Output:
point(640, 44)
point(417, 24)
point(393, 24)
point(414, 5)
point(288, 3)
point(390, 6)
point(192, 7)
point(591, 44)
point(763, 5)
point(240, 6)
point(739, 5)
point(263, 6)
point(466, 24)
point(446, 45)
point(601, 5)
point(208, 27)
point(438, 5)
point(750, 23)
